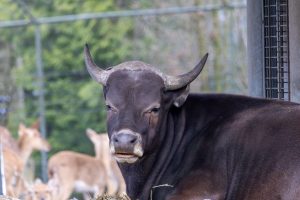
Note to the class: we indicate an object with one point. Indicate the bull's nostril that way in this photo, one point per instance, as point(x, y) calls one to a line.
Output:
point(124, 139)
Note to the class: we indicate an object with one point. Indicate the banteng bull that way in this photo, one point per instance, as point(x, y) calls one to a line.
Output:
point(174, 145)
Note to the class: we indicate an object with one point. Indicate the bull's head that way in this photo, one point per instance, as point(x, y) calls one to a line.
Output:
point(138, 97)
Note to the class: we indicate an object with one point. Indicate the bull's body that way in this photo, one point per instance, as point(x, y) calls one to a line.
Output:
point(175, 146)
point(226, 147)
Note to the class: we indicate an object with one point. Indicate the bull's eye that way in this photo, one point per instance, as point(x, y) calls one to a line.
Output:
point(108, 107)
point(154, 110)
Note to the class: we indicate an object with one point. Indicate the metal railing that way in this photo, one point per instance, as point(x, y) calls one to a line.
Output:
point(4, 100)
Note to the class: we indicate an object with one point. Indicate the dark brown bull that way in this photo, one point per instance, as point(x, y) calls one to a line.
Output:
point(176, 146)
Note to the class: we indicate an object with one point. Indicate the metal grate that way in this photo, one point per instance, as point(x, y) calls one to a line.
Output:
point(276, 49)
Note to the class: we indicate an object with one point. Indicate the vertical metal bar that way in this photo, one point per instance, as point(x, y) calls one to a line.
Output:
point(41, 86)
point(263, 47)
point(2, 175)
point(288, 51)
point(278, 47)
point(268, 63)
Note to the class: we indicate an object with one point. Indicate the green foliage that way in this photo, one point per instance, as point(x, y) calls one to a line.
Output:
point(73, 101)
point(173, 42)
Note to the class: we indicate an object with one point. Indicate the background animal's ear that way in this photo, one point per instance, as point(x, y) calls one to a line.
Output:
point(90, 132)
point(21, 130)
point(182, 95)
point(36, 124)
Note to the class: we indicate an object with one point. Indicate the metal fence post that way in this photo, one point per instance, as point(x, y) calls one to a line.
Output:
point(2, 175)
point(41, 95)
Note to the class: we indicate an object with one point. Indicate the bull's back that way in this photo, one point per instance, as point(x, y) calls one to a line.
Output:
point(263, 147)
point(252, 144)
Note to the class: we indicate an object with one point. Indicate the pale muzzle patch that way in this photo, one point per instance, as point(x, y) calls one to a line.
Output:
point(129, 157)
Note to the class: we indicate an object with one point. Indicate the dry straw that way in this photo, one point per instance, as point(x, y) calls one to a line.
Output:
point(110, 197)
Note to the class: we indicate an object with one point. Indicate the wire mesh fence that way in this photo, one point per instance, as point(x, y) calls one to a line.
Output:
point(276, 49)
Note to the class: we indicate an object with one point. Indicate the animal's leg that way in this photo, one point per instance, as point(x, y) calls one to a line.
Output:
point(100, 190)
point(65, 192)
point(112, 186)
point(87, 196)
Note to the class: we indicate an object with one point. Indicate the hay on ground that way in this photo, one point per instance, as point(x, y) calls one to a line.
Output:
point(110, 197)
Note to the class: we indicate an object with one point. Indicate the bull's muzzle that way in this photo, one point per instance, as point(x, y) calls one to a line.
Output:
point(126, 146)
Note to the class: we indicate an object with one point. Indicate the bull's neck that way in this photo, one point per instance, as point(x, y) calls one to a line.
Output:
point(144, 175)
point(187, 132)
point(176, 153)
point(160, 171)
point(148, 174)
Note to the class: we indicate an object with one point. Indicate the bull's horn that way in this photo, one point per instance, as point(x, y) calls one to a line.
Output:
point(96, 73)
point(177, 82)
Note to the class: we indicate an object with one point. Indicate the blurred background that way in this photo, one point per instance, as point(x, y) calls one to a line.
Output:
point(46, 78)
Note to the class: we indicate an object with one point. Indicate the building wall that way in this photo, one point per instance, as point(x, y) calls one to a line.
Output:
point(255, 48)
point(294, 38)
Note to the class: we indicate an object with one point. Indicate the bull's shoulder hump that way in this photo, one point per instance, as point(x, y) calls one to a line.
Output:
point(231, 99)
point(227, 104)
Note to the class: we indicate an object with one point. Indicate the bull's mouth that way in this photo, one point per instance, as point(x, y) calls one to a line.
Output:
point(127, 152)
point(122, 157)
point(127, 157)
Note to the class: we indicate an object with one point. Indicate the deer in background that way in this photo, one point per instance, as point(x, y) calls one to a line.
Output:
point(115, 182)
point(7, 141)
point(13, 170)
point(72, 171)
point(16, 154)
point(29, 139)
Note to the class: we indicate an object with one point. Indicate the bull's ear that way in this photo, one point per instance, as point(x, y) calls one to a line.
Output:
point(181, 96)
point(36, 124)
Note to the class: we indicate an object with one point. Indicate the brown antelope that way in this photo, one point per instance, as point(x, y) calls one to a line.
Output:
point(29, 140)
point(115, 182)
point(7, 141)
point(76, 171)
point(13, 169)
point(17, 152)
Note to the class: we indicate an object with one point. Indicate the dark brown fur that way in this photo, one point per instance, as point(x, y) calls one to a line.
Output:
point(171, 145)
point(214, 146)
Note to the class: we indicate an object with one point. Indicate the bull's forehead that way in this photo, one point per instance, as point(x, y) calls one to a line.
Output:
point(138, 87)
point(136, 66)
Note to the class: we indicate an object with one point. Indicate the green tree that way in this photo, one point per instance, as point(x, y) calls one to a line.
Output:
point(73, 101)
